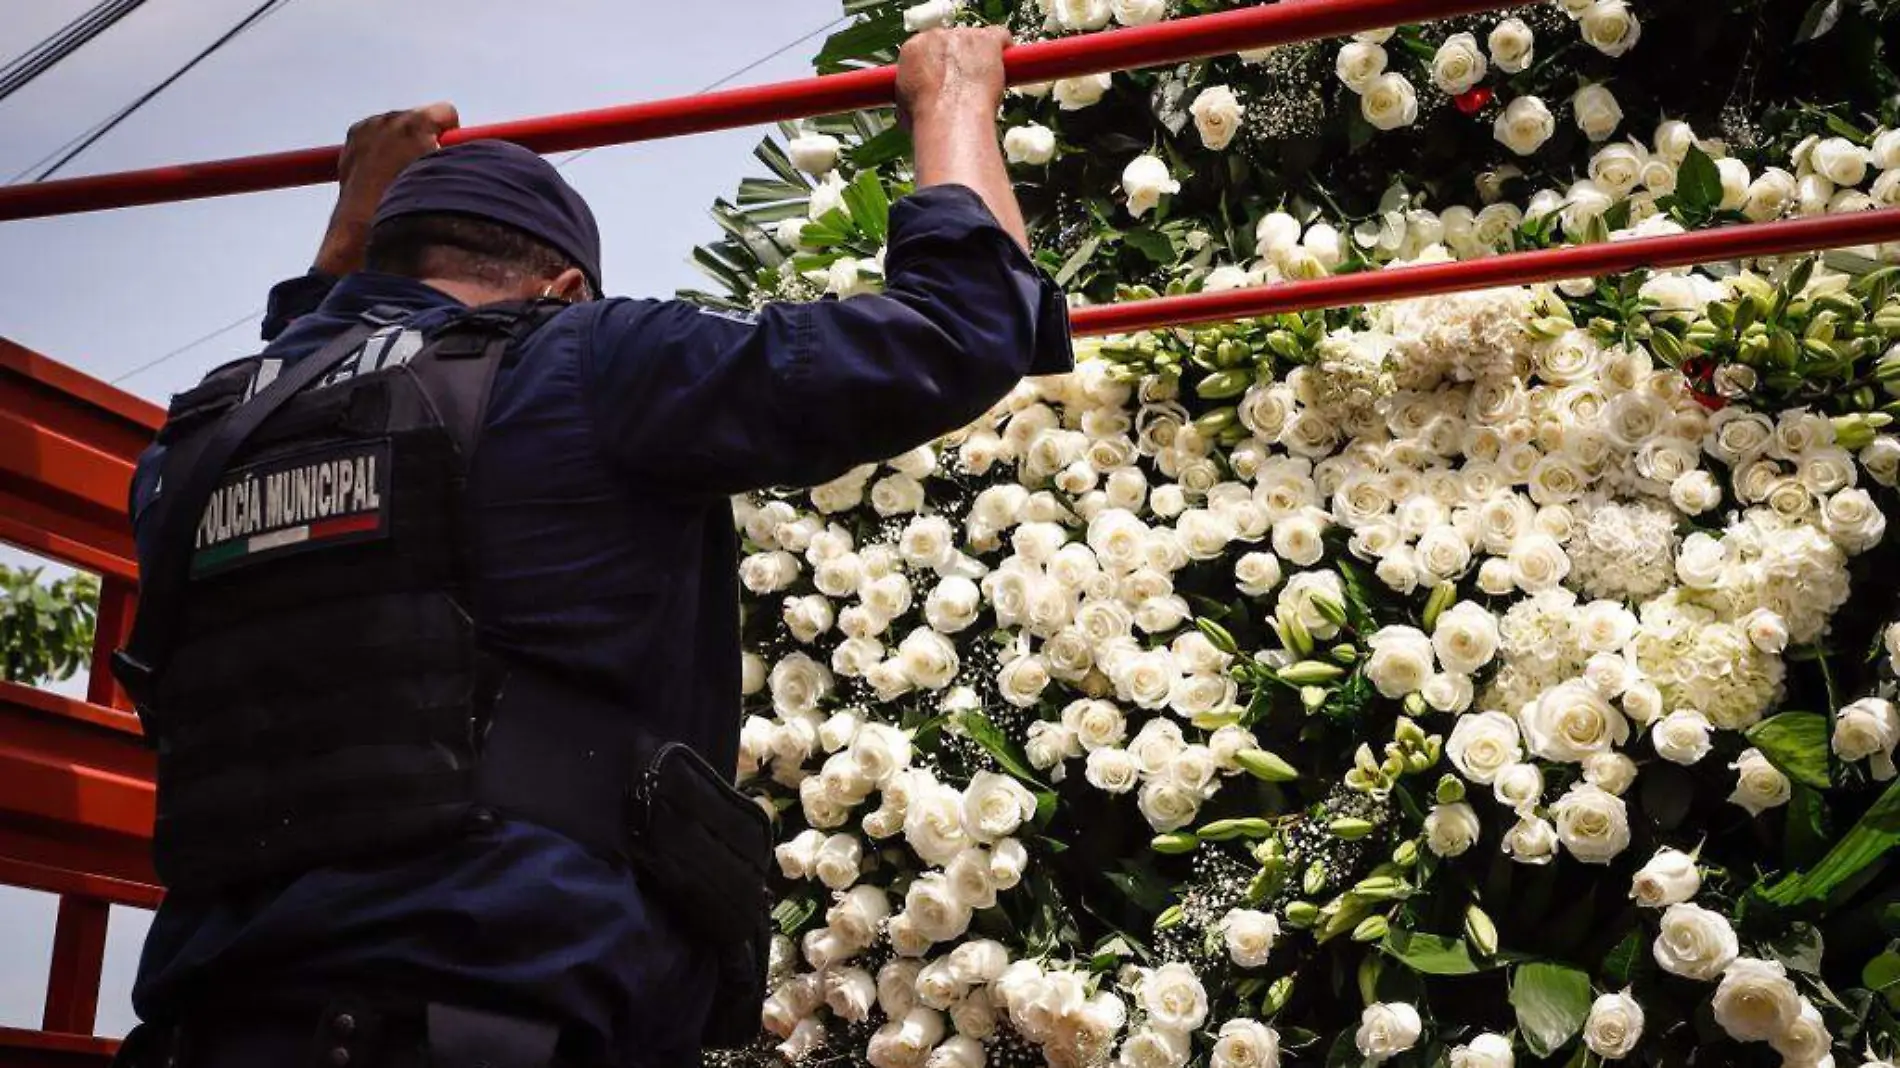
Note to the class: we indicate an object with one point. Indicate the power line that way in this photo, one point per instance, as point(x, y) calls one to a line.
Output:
point(253, 314)
point(68, 39)
point(91, 137)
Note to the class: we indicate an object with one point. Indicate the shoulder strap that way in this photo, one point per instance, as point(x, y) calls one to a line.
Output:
point(164, 577)
point(457, 367)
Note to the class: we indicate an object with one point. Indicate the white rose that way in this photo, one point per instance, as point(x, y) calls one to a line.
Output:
point(1598, 114)
point(1139, 12)
point(768, 572)
point(1512, 46)
point(1617, 168)
point(1466, 637)
point(1735, 182)
point(1694, 942)
point(975, 1016)
point(1839, 161)
point(958, 1051)
point(1387, 1029)
point(1760, 785)
point(1755, 1001)
point(798, 683)
point(1571, 721)
point(1451, 830)
point(1612, 771)
point(806, 1037)
point(814, 153)
point(1174, 998)
point(1806, 1040)
point(1097, 724)
point(850, 992)
point(1401, 660)
point(1275, 232)
point(1538, 562)
point(1669, 878)
point(881, 752)
point(1168, 805)
point(1152, 1047)
point(1610, 27)
point(1249, 935)
point(1073, 94)
point(1080, 14)
point(1033, 144)
point(838, 861)
point(1449, 691)
point(1524, 125)
point(1458, 65)
point(1113, 771)
point(1487, 1050)
point(1518, 787)
point(1483, 744)
point(938, 986)
point(857, 916)
point(934, 908)
point(1021, 681)
point(953, 604)
point(933, 822)
point(1246, 1044)
point(1614, 1026)
point(1682, 736)
point(1592, 823)
point(1358, 64)
point(1048, 745)
point(929, 15)
point(1217, 115)
point(1770, 195)
point(995, 805)
point(1326, 244)
point(1673, 140)
point(1531, 841)
point(1868, 728)
point(1853, 520)
point(1008, 858)
point(1389, 102)
point(1146, 180)
point(906, 1042)
point(1298, 538)
point(1695, 492)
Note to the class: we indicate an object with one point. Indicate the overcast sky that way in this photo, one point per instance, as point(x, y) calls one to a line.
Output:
point(110, 291)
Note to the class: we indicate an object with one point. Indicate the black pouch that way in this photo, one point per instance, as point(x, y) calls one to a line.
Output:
point(703, 850)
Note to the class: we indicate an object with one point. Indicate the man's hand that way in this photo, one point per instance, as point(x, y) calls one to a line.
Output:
point(949, 85)
point(958, 70)
point(374, 153)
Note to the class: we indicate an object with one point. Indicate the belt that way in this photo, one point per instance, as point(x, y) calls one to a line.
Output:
point(347, 1034)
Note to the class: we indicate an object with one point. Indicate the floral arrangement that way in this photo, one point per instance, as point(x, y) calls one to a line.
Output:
point(1488, 680)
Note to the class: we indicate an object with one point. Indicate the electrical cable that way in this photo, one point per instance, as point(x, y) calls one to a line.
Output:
point(91, 137)
point(37, 60)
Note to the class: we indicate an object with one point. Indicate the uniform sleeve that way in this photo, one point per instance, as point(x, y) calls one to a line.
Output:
point(293, 298)
point(800, 394)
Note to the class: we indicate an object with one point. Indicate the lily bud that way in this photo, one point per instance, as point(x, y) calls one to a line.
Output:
point(1265, 766)
point(1175, 842)
point(1301, 914)
point(1371, 929)
point(1444, 595)
point(1350, 828)
point(1451, 790)
point(1481, 932)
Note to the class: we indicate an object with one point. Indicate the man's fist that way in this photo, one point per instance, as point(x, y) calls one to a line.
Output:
point(379, 147)
point(376, 150)
point(951, 69)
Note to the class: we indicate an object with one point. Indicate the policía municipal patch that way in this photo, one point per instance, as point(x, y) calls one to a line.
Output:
point(315, 499)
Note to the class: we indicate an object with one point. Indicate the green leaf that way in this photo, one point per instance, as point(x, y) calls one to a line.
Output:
point(1152, 244)
point(1820, 18)
point(1698, 182)
point(1798, 948)
point(1882, 976)
point(793, 913)
point(1806, 838)
point(861, 43)
point(1552, 1001)
point(1795, 742)
point(1430, 954)
point(869, 205)
point(997, 744)
point(769, 191)
point(1077, 260)
point(1620, 964)
point(1853, 857)
point(894, 143)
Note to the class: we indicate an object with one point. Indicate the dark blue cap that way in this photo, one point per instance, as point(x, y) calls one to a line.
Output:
point(505, 183)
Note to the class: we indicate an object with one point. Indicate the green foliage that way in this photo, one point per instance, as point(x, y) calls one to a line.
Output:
point(45, 628)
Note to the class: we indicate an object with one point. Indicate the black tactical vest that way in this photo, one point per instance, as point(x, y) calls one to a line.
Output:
point(305, 657)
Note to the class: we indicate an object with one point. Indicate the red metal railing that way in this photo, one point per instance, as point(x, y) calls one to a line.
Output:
point(1172, 41)
point(76, 795)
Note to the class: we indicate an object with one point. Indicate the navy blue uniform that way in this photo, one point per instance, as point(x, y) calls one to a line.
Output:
point(605, 551)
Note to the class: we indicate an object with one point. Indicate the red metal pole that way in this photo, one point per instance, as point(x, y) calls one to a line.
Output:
point(1123, 49)
point(1518, 268)
point(79, 953)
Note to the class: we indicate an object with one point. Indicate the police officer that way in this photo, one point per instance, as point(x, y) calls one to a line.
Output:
point(399, 669)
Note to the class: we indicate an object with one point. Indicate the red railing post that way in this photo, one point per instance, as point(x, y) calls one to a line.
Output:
point(79, 954)
point(118, 604)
